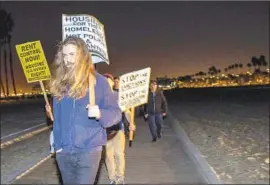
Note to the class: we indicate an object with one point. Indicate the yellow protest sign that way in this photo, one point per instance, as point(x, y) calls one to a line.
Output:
point(33, 61)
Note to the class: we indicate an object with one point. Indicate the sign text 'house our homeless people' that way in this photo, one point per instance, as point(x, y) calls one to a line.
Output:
point(89, 29)
point(33, 61)
point(134, 88)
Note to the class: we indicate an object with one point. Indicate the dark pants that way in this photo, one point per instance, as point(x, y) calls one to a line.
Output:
point(155, 122)
point(78, 168)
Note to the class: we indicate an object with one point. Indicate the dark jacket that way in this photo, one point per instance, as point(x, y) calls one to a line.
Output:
point(156, 104)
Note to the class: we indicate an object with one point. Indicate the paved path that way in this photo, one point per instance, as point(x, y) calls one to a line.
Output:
point(163, 162)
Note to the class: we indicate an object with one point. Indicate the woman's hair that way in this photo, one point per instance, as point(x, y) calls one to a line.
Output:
point(71, 81)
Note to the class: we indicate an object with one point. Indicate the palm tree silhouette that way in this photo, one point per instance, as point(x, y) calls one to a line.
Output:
point(6, 26)
point(1, 83)
point(3, 14)
point(249, 65)
point(232, 67)
point(5, 66)
point(236, 66)
point(226, 70)
point(240, 66)
point(213, 70)
point(262, 61)
point(254, 62)
point(11, 61)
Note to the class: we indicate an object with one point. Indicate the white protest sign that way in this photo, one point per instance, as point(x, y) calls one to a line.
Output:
point(134, 88)
point(89, 29)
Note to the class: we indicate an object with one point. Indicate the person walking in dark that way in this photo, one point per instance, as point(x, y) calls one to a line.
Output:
point(79, 128)
point(154, 110)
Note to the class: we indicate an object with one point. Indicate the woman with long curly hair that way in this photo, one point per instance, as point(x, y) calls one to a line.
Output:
point(79, 128)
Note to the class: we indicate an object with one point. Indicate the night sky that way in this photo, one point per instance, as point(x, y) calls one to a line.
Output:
point(173, 38)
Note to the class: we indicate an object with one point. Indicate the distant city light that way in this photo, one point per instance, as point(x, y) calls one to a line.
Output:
point(216, 81)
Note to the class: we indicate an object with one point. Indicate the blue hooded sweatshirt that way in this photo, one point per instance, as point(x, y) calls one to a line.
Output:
point(72, 129)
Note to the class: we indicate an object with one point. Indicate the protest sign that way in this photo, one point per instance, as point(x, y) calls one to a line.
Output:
point(134, 88)
point(33, 61)
point(89, 29)
point(34, 65)
point(133, 91)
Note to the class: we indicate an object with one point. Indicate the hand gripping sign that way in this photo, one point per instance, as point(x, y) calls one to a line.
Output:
point(34, 64)
point(133, 92)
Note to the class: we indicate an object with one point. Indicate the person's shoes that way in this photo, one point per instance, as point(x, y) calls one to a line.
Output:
point(53, 154)
point(154, 140)
point(160, 136)
point(112, 182)
point(120, 181)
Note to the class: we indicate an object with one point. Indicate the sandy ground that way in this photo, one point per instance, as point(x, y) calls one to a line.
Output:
point(233, 137)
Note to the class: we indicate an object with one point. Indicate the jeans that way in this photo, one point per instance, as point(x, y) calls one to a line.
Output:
point(155, 122)
point(115, 156)
point(78, 168)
